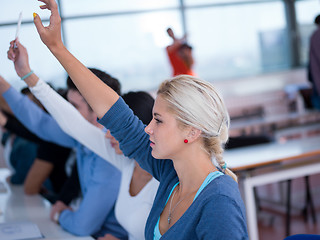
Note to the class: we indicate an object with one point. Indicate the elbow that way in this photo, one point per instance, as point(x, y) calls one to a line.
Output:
point(30, 191)
point(81, 231)
point(79, 228)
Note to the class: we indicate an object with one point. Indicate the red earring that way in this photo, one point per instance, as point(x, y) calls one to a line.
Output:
point(186, 141)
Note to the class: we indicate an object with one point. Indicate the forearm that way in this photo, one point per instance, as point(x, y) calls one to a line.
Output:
point(36, 120)
point(16, 127)
point(38, 173)
point(92, 213)
point(99, 96)
point(71, 121)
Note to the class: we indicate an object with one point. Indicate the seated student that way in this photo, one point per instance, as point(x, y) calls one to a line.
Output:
point(20, 156)
point(47, 174)
point(138, 188)
point(198, 197)
point(19, 152)
point(98, 179)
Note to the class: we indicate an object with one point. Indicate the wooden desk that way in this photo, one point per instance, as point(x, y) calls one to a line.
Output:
point(272, 123)
point(16, 206)
point(305, 153)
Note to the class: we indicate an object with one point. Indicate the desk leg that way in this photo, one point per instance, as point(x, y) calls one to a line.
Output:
point(288, 215)
point(251, 209)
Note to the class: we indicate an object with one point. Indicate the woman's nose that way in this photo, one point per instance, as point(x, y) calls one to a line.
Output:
point(148, 128)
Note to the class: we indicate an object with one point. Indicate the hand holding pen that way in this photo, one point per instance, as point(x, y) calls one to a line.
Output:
point(19, 55)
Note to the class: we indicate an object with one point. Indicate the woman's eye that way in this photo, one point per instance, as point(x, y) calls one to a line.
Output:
point(157, 120)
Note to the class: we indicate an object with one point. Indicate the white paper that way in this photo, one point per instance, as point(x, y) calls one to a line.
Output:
point(19, 231)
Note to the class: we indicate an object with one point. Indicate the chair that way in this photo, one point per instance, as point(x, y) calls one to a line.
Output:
point(303, 237)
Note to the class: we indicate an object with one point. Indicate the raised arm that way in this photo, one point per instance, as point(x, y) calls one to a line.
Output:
point(67, 116)
point(99, 96)
point(33, 117)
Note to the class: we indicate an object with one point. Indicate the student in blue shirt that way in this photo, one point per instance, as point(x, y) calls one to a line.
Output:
point(99, 180)
point(198, 197)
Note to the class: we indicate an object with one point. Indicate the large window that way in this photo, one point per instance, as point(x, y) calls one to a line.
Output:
point(130, 47)
point(236, 41)
point(127, 38)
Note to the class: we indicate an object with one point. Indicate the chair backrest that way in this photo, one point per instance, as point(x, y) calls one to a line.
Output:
point(303, 237)
point(243, 141)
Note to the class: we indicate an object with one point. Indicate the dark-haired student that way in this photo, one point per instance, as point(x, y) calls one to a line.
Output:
point(99, 180)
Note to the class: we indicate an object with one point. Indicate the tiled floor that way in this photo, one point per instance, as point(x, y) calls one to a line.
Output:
point(272, 218)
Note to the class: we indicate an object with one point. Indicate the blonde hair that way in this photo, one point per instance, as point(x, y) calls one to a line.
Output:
point(197, 103)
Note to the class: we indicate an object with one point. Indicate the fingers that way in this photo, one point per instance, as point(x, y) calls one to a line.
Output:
point(48, 4)
point(10, 53)
point(14, 49)
point(44, 7)
point(38, 23)
point(19, 45)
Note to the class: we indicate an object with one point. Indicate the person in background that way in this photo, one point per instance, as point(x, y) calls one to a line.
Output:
point(198, 196)
point(180, 55)
point(99, 180)
point(314, 64)
point(19, 152)
point(47, 173)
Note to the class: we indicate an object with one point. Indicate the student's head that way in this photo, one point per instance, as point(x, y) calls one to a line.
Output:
point(76, 99)
point(317, 20)
point(141, 103)
point(188, 109)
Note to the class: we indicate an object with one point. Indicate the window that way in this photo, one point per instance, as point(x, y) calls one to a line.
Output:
point(236, 41)
point(85, 7)
point(129, 47)
point(231, 38)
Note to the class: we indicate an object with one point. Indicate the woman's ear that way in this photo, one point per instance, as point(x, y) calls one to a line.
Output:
point(193, 134)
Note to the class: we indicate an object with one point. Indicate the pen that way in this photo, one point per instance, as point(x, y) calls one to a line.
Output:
point(18, 28)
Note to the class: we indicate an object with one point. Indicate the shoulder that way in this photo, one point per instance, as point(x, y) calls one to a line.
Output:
point(222, 191)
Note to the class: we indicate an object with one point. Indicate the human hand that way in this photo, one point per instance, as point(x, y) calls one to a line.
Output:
point(50, 35)
point(170, 33)
point(19, 55)
point(3, 119)
point(56, 209)
point(108, 237)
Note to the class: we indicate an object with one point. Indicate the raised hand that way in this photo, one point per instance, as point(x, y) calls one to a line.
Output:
point(50, 35)
point(20, 58)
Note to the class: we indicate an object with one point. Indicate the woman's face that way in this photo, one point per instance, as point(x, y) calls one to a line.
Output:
point(114, 143)
point(167, 139)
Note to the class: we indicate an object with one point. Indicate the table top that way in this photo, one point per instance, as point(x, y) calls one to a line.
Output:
point(250, 157)
point(15, 206)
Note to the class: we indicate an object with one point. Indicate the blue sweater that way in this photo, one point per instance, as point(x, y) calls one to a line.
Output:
point(217, 213)
point(99, 180)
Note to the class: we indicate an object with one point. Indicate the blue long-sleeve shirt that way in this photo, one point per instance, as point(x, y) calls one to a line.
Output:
point(218, 213)
point(99, 180)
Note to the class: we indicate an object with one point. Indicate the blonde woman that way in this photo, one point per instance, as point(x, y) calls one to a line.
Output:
point(181, 147)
